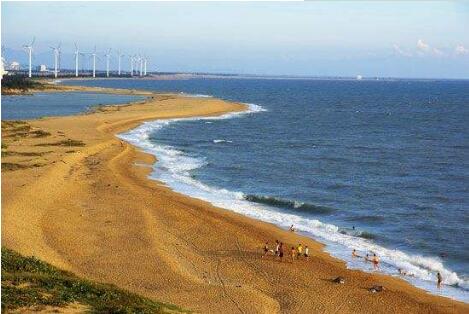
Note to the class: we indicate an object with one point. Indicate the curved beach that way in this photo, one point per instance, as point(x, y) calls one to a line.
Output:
point(88, 207)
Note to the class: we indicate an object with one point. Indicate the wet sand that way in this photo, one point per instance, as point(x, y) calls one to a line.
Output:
point(80, 199)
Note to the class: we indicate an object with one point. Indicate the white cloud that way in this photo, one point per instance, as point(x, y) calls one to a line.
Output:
point(399, 51)
point(437, 52)
point(422, 46)
point(461, 50)
point(425, 49)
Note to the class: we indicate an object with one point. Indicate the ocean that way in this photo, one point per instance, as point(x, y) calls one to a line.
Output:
point(377, 166)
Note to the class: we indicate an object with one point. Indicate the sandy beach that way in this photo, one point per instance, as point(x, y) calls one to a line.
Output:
point(76, 196)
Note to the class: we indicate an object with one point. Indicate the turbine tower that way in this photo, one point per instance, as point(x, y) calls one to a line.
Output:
point(119, 56)
point(29, 50)
point(56, 51)
point(145, 66)
point(131, 58)
point(93, 54)
point(107, 55)
point(77, 53)
point(140, 59)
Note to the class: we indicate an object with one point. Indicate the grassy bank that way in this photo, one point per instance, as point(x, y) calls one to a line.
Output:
point(30, 284)
point(17, 84)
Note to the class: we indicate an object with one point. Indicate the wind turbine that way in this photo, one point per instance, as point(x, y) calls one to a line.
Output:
point(56, 51)
point(144, 65)
point(77, 53)
point(29, 49)
point(132, 59)
point(140, 59)
point(119, 55)
point(107, 55)
point(93, 54)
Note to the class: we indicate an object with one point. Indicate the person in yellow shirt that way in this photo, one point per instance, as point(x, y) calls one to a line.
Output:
point(299, 250)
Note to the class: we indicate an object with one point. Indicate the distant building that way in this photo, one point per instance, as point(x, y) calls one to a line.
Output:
point(41, 68)
point(14, 66)
point(2, 69)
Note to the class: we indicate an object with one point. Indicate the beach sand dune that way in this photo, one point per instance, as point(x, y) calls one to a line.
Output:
point(84, 203)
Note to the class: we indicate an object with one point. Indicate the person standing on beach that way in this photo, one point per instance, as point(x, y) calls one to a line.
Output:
point(439, 279)
point(281, 251)
point(277, 247)
point(293, 253)
point(299, 250)
point(307, 252)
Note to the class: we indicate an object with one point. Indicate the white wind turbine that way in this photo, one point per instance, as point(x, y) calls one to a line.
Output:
point(77, 54)
point(119, 56)
point(56, 51)
point(145, 65)
point(140, 59)
point(107, 55)
point(29, 50)
point(132, 60)
point(93, 54)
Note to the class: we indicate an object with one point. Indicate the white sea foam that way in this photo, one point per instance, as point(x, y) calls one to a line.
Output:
point(174, 168)
point(222, 141)
point(195, 95)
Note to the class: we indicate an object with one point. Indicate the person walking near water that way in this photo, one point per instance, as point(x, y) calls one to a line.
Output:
point(307, 252)
point(439, 279)
point(375, 262)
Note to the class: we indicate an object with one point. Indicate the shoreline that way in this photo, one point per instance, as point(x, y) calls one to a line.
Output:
point(186, 261)
point(238, 202)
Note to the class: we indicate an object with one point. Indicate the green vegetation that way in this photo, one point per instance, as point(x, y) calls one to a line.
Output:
point(39, 133)
point(30, 283)
point(68, 142)
point(10, 166)
point(19, 82)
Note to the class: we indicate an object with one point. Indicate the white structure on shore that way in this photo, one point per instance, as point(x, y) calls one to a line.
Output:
point(77, 53)
point(14, 66)
point(119, 56)
point(108, 56)
point(29, 50)
point(41, 68)
point(94, 61)
point(2, 68)
point(138, 63)
point(56, 51)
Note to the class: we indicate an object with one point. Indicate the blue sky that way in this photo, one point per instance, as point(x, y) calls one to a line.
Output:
point(401, 39)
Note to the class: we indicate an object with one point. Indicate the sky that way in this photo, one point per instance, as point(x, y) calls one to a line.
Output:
point(386, 39)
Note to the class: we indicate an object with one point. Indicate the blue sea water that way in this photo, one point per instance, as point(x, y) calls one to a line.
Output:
point(17, 107)
point(379, 166)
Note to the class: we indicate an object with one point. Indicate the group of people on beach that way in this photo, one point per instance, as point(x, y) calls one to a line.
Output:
point(279, 251)
point(298, 252)
point(374, 259)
